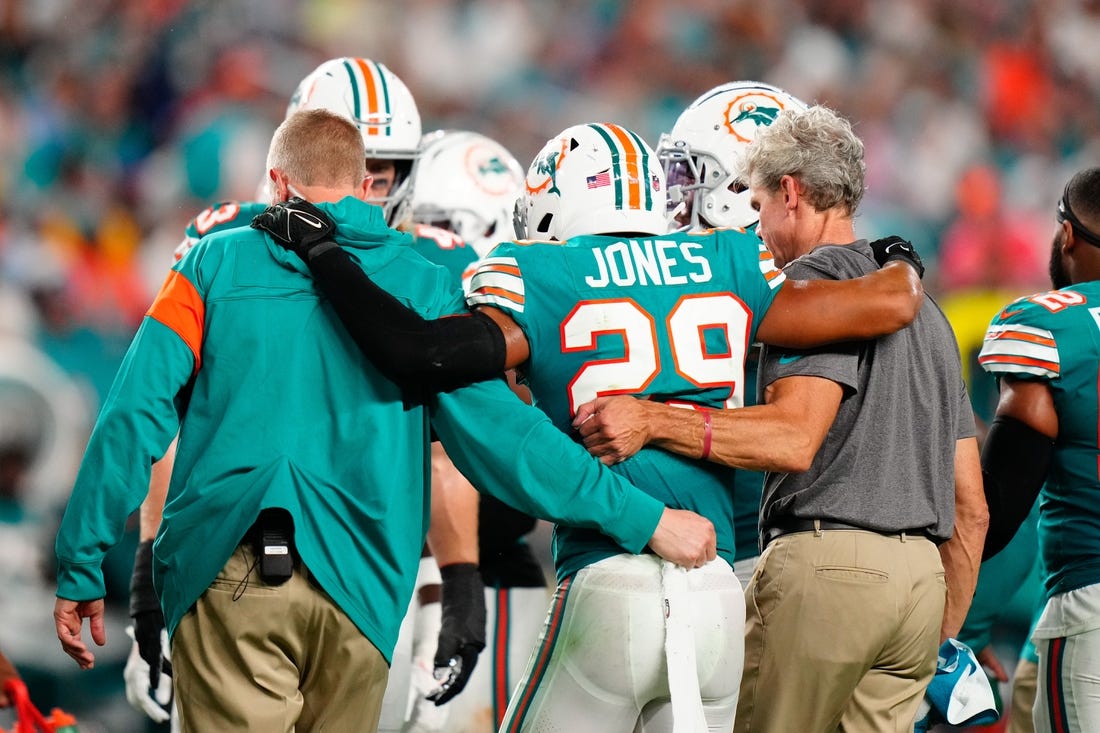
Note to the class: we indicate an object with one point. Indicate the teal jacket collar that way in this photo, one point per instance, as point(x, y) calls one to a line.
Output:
point(360, 227)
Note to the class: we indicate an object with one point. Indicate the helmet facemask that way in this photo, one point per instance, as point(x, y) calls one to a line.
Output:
point(703, 152)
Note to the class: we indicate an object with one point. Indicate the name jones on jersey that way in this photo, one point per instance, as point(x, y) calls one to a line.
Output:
point(648, 262)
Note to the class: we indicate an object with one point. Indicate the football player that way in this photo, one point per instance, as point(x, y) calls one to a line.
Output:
point(1043, 443)
point(466, 184)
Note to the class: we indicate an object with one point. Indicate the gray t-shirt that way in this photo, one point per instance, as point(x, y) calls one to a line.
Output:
point(888, 461)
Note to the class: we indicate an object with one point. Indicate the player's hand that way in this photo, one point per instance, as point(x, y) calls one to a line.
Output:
point(148, 672)
point(612, 428)
point(685, 538)
point(896, 248)
point(296, 225)
point(68, 617)
point(462, 632)
point(988, 659)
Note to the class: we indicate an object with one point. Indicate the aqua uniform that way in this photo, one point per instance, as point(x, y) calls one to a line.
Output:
point(668, 317)
point(1055, 337)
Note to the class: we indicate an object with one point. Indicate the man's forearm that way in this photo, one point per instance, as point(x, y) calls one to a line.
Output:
point(152, 508)
point(452, 535)
point(757, 438)
point(962, 554)
point(808, 313)
point(416, 353)
point(782, 435)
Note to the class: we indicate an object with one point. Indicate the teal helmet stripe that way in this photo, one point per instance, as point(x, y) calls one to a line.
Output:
point(353, 82)
point(616, 163)
point(385, 93)
point(643, 165)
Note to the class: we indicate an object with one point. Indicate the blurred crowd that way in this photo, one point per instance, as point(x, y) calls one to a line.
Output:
point(121, 119)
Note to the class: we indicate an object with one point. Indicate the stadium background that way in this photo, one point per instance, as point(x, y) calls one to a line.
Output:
point(121, 119)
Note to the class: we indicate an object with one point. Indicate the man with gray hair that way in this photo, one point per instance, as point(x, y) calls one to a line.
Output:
point(872, 460)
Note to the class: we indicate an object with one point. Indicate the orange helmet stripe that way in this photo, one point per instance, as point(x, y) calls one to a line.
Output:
point(633, 159)
point(372, 93)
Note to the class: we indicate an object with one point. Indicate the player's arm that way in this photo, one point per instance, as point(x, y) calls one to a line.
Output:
point(1016, 457)
point(962, 554)
point(414, 352)
point(452, 537)
point(146, 689)
point(783, 434)
point(807, 313)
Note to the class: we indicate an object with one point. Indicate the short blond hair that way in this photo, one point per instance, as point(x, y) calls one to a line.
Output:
point(318, 148)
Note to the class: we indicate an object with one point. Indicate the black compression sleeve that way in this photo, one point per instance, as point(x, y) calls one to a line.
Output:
point(143, 598)
point(1015, 462)
point(417, 354)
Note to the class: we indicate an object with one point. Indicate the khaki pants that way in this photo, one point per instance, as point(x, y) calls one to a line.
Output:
point(1024, 685)
point(841, 633)
point(271, 659)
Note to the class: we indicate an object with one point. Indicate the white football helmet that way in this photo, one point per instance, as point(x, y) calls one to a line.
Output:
point(468, 184)
point(379, 104)
point(702, 155)
point(593, 179)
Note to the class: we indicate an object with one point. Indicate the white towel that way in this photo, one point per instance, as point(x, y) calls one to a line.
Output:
point(683, 676)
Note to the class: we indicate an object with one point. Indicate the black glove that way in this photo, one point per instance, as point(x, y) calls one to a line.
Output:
point(462, 632)
point(896, 248)
point(147, 615)
point(296, 225)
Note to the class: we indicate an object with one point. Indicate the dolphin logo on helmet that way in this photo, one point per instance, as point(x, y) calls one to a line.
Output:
point(466, 183)
point(701, 155)
point(597, 178)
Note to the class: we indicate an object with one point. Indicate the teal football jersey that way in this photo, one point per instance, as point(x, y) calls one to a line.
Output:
point(445, 249)
point(219, 217)
point(670, 317)
point(1055, 337)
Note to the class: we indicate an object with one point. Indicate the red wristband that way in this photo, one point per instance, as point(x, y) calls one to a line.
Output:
point(706, 435)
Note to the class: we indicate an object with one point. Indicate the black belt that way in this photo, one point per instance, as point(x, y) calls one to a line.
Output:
point(789, 525)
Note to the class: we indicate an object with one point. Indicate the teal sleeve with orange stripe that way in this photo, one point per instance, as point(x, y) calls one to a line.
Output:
point(139, 418)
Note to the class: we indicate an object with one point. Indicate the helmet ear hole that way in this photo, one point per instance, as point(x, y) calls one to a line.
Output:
point(595, 178)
